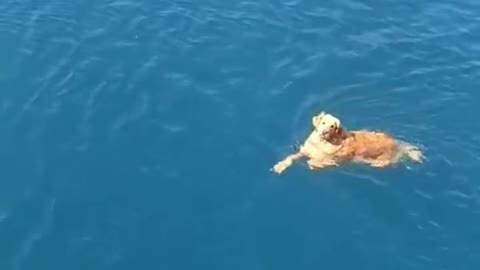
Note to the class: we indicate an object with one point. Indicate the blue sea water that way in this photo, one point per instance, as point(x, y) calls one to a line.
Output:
point(140, 134)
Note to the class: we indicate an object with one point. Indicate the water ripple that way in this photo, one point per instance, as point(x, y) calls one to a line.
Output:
point(40, 231)
point(245, 77)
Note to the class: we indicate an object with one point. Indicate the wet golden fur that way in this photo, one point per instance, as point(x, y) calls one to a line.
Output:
point(330, 144)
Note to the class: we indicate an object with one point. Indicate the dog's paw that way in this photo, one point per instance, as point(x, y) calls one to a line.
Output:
point(281, 166)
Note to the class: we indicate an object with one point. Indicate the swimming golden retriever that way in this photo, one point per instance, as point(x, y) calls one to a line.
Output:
point(330, 144)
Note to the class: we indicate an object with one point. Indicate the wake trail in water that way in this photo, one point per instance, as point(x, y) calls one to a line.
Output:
point(410, 151)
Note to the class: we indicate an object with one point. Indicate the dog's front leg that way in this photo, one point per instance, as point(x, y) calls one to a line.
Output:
point(287, 162)
point(321, 163)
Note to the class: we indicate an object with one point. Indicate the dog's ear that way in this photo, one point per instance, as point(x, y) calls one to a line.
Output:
point(314, 121)
point(317, 118)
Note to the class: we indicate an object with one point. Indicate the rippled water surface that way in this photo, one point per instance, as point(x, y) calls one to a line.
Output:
point(140, 134)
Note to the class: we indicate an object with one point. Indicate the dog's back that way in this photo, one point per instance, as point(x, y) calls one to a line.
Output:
point(367, 145)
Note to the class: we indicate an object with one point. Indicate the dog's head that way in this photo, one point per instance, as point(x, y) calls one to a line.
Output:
point(328, 126)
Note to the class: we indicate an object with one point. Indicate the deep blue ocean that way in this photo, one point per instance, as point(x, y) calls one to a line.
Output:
point(140, 134)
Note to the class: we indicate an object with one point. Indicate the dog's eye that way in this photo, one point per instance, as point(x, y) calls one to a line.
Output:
point(332, 126)
point(323, 123)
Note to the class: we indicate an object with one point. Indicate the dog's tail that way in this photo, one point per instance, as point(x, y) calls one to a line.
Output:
point(410, 151)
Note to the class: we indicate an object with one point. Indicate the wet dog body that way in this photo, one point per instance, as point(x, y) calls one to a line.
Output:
point(375, 148)
point(330, 144)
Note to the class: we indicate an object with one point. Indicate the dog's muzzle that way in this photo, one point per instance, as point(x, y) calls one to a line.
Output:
point(335, 131)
